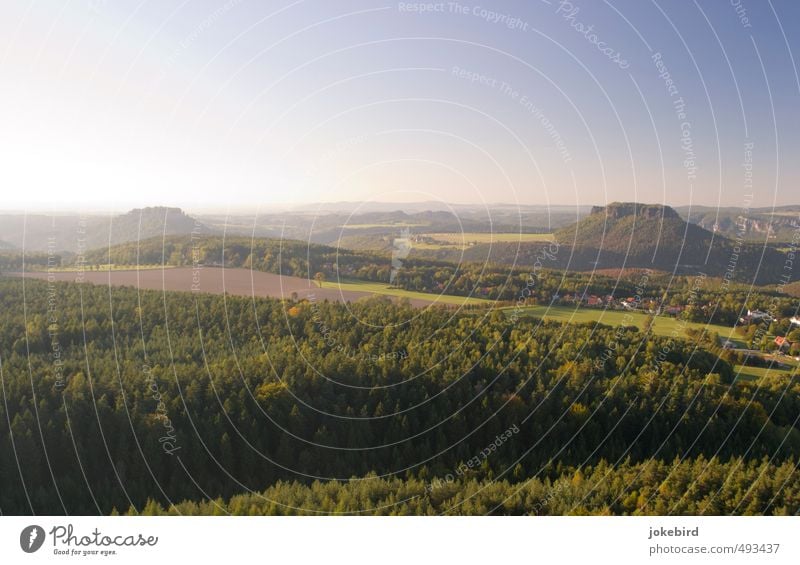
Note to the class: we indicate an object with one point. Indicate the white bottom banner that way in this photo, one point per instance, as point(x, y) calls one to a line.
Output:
point(395, 540)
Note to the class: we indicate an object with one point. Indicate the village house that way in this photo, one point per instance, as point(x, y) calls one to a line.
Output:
point(755, 316)
point(759, 315)
point(594, 301)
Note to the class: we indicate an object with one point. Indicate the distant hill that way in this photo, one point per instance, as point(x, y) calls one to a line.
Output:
point(71, 233)
point(756, 224)
point(285, 257)
point(144, 223)
point(371, 229)
point(655, 236)
point(638, 234)
point(622, 235)
point(361, 207)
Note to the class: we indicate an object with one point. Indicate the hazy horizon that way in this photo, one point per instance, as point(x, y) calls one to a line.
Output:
point(276, 104)
point(338, 206)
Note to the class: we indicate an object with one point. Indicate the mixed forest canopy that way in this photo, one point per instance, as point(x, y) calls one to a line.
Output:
point(126, 400)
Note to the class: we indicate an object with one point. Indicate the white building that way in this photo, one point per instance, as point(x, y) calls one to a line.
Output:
point(758, 315)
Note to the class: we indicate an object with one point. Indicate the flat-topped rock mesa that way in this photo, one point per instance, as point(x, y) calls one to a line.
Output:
point(617, 210)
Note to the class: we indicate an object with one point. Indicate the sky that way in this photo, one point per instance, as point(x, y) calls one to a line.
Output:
point(245, 104)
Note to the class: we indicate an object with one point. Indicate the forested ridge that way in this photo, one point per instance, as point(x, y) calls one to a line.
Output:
point(113, 398)
point(724, 303)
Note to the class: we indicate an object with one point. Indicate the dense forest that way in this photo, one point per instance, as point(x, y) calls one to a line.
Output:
point(681, 487)
point(115, 399)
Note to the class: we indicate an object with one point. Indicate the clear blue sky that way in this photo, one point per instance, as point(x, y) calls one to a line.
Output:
point(112, 103)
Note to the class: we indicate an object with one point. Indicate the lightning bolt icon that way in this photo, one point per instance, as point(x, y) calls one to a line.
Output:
point(34, 535)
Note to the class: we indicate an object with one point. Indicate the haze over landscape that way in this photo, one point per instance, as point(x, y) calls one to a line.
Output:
point(214, 105)
point(363, 258)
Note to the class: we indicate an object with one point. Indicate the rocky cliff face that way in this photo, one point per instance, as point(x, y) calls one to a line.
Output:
point(632, 235)
point(617, 210)
point(757, 224)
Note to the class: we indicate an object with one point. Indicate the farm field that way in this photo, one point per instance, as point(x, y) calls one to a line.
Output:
point(103, 268)
point(663, 326)
point(385, 290)
point(752, 374)
point(488, 237)
point(213, 280)
point(386, 225)
point(244, 282)
point(463, 240)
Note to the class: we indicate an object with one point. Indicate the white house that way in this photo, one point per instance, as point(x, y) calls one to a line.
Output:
point(758, 315)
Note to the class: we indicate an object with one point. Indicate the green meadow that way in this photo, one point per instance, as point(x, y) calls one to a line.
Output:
point(663, 325)
point(386, 290)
